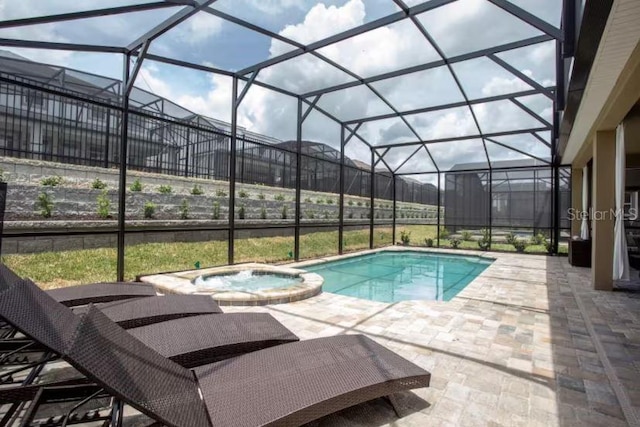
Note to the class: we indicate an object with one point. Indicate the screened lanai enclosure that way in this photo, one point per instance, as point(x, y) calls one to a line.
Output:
point(233, 120)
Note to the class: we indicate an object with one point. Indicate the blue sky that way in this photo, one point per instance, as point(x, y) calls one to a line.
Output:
point(458, 28)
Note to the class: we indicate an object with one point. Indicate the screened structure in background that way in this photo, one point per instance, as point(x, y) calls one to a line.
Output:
point(457, 123)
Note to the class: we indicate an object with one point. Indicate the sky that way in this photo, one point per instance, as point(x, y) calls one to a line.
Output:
point(458, 28)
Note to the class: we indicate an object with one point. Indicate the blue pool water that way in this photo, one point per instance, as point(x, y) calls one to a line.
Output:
point(400, 276)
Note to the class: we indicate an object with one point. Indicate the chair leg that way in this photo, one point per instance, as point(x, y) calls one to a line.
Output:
point(394, 404)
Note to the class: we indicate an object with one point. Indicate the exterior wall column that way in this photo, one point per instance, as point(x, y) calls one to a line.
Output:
point(576, 200)
point(603, 220)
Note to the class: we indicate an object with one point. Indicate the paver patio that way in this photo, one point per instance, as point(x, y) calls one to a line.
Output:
point(528, 343)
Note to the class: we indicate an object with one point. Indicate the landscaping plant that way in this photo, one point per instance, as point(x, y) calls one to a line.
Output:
point(165, 189)
point(104, 205)
point(51, 181)
point(485, 241)
point(216, 210)
point(97, 184)
point(405, 237)
point(136, 185)
point(428, 242)
point(455, 242)
point(149, 210)
point(197, 190)
point(466, 236)
point(184, 209)
point(45, 204)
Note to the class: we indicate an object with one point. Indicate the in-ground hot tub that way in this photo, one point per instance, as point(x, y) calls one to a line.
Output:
point(243, 284)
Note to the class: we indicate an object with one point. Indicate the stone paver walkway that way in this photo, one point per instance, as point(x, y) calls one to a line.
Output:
point(528, 343)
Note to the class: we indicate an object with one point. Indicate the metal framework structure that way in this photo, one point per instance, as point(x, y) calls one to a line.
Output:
point(418, 154)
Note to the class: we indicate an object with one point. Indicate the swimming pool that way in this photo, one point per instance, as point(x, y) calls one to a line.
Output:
point(388, 276)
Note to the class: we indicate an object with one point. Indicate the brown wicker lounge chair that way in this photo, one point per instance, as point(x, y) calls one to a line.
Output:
point(134, 312)
point(87, 294)
point(287, 385)
point(190, 341)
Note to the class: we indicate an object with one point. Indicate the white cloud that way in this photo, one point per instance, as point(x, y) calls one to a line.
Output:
point(200, 27)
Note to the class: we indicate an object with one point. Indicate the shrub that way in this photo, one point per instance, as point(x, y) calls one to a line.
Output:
point(149, 210)
point(216, 210)
point(104, 205)
point(405, 237)
point(485, 241)
point(366, 204)
point(263, 213)
point(538, 239)
point(241, 212)
point(350, 203)
point(444, 233)
point(308, 200)
point(97, 184)
point(184, 209)
point(329, 201)
point(165, 189)
point(428, 242)
point(455, 242)
point(311, 214)
point(359, 203)
point(520, 245)
point(243, 194)
point(279, 197)
point(319, 201)
point(326, 215)
point(548, 246)
point(466, 236)
point(221, 193)
point(45, 204)
point(51, 181)
point(136, 185)
point(510, 238)
point(283, 214)
point(197, 190)
point(350, 215)
point(261, 196)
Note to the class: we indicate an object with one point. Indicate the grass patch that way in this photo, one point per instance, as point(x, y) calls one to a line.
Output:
point(59, 269)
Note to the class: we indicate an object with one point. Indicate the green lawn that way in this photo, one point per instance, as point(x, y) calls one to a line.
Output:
point(57, 269)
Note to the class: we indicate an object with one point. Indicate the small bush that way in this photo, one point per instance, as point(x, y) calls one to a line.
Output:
point(548, 246)
point(444, 233)
point(466, 236)
point(366, 204)
point(538, 239)
point(359, 203)
point(319, 201)
point(283, 214)
point(136, 185)
point(165, 189)
point(350, 203)
point(510, 238)
point(329, 201)
point(216, 210)
point(405, 237)
point(263, 213)
point(45, 204)
point(241, 212)
point(221, 193)
point(197, 190)
point(485, 241)
point(149, 210)
point(51, 181)
point(350, 215)
point(184, 209)
point(428, 242)
point(243, 194)
point(279, 197)
point(104, 205)
point(520, 245)
point(261, 196)
point(97, 184)
point(311, 214)
point(326, 215)
point(455, 242)
point(308, 200)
